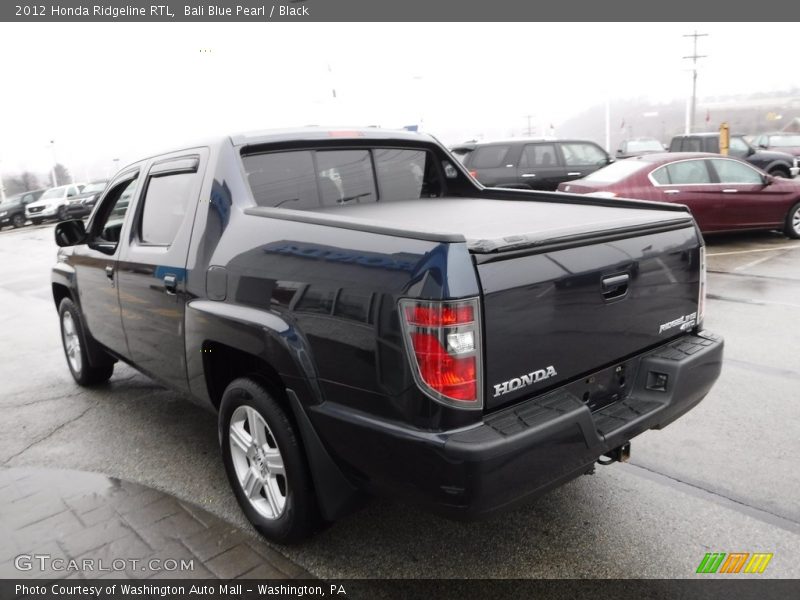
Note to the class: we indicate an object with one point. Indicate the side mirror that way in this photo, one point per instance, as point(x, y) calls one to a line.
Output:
point(763, 146)
point(768, 180)
point(70, 233)
point(619, 151)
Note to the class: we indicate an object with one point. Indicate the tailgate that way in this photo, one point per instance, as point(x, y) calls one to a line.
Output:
point(553, 317)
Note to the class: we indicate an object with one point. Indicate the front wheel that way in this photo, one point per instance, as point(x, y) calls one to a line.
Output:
point(18, 221)
point(62, 215)
point(792, 226)
point(73, 336)
point(36, 221)
point(265, 463)
point(781, 173)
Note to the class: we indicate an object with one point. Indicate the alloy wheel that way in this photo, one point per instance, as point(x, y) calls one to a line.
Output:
point(258, 462)
point(796, 221)
point(72, 342)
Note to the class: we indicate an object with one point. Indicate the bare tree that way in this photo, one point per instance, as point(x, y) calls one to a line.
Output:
point(62, 174)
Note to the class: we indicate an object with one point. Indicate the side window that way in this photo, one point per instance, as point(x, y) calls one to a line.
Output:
point(691, 145)
point(582, 154)
point(345, 176)
point(166, 200)
point(538, 155)
point(489, 157)
point(731, 171)
point(688, 172)
point(111, 213)
point(72, 191)
point(402, 174)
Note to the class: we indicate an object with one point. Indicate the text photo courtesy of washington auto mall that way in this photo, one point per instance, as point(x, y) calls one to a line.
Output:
point(309, 308)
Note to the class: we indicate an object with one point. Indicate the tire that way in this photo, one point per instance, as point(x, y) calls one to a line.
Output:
point(18, 221)
point(792, 226)
point(780, 172)
point(74, 340)
point(36, 221)
point(279, 500)
point(62, 214)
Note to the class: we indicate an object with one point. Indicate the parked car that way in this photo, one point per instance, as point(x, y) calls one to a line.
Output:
point(777, 164)
point(723, 193)
point(359, 313)
point(82, 204)
point(531, 164)
point(12, 211)
point(781, 141)
point(52, 204)
point(638, 147)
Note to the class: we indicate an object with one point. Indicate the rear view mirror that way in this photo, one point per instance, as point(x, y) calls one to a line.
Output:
point(70, 233)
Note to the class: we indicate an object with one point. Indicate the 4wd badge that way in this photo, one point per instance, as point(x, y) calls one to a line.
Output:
point(685, 322)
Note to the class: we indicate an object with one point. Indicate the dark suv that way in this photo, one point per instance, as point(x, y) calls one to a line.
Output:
point(12, 211)
point(777, 164)
point(531, 164)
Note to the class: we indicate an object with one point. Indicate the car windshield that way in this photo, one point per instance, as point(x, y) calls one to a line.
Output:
point(94, 187)
point(645, 146)
point(53, 193)
point(616, 171)
point(784, 141)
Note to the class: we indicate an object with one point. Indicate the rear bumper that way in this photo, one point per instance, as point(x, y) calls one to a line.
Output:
point(523, 451)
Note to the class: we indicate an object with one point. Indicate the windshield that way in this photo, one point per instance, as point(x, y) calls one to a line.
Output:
point(12, 199)
point(784, 141)
point(616, 171)
point(644, 146)
point(94, 187)
point(53, 193)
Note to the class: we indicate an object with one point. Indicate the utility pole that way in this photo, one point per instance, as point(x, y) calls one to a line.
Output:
point(55, 162)
point(529, 131)
point(694, 56)
point(2, 188)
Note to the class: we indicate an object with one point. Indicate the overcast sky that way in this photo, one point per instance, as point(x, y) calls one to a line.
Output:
point(125, 90)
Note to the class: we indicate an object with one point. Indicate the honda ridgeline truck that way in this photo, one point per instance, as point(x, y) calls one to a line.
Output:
point(363, 316)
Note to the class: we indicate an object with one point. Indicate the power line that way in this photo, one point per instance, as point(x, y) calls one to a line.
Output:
point(694, 56)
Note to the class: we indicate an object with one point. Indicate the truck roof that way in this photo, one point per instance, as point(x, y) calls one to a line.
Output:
point(313, 134)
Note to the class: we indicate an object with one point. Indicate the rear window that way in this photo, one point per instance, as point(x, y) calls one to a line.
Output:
point(489, 157)
point(617, 171)
point(311, 179)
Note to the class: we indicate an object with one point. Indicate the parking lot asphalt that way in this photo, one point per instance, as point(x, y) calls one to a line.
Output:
point(721, 479)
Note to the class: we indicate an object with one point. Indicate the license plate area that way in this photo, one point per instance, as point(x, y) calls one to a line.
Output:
point(607, 386)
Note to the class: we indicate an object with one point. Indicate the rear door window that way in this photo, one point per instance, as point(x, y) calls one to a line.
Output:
point(489, 157)
point(538, 155)
point(165, 203)
point(686, 172)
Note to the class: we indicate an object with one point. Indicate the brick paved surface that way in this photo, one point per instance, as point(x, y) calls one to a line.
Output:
point(75, 515)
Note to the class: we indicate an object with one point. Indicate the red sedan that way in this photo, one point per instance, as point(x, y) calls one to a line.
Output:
point(723, 193)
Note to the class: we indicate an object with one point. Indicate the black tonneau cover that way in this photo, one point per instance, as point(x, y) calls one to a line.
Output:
point(486, 225)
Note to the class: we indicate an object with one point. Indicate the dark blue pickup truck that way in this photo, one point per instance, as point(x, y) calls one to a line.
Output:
point(365, 317)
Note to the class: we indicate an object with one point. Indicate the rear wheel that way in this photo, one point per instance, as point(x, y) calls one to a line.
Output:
point(265, 463)
point(18, 220)
point(792, 226)
point(74, 338)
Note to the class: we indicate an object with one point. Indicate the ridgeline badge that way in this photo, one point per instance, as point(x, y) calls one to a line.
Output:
point(686, 322)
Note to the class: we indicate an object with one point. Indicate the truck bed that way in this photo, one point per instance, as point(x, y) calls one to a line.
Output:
point(486, 225)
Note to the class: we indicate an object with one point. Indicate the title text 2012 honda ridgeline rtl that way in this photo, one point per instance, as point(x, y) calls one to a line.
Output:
point(365, 317)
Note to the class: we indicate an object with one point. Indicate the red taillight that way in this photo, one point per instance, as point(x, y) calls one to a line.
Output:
point(443, 339)
point(439, 315)
point(473, 173)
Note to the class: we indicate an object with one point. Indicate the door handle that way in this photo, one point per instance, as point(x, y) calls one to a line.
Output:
point(615, 286)
point(110, 272)
point(730, 191)
point(573, 173)
point(672, 191)
point(529, 174)
point(171, 284)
